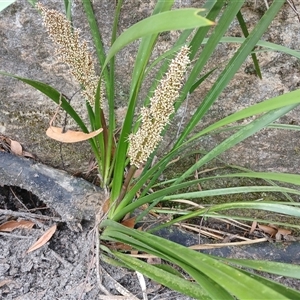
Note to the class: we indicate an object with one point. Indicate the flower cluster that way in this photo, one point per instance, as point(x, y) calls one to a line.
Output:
point(71, 51)
point(156, 117)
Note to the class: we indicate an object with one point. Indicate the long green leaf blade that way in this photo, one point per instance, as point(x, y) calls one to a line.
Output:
point(54, 95)
point(265, 44)
point(172, 281)
point(282, 208)
point(234, 139)
point(278, 268)
point(230, 191)
point(232, 280)
point(277, 287)
point(232, 67)
point(265, 106)
point(222, 25)
point(179, 19)
point(246, 33)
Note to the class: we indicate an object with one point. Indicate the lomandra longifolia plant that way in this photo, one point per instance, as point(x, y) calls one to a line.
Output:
point(127, 168)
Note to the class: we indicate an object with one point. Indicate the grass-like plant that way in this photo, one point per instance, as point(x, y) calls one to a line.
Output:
point(119, 157)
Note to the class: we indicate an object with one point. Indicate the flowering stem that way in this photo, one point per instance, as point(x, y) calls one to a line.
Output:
point(128, 178)
point(155, 117)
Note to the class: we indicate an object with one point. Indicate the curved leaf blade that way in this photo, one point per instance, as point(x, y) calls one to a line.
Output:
point(277, 207)
point(266, 45)
point(172, 281)
point(278, 268)
point(265, 106)
point(231, 279)
point(5, 4)
point(179, 19)
point(54, 95)
point(232, 67)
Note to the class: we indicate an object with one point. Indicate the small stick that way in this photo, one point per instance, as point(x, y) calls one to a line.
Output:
point(28, 215)
point(60, 259)
point(24, 206)
point(128, 178)
point(14, 235)
point(95, 256)
point(119, 287)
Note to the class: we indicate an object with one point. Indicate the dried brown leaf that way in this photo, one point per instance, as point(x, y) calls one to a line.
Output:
point(273, 226)
point(28, 154)
point(154, 260)
point(106, 205)
point(268, 229)
point(12, 225)
point(43, 239)
point(129, 222)
point(284, 231)
point(16, 147)
point(70, 136)
point(121, 246)
point(4, 282)
point(281, 231)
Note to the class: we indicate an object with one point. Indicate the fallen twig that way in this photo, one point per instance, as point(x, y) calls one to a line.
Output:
point(119, 287)
point(27, 215)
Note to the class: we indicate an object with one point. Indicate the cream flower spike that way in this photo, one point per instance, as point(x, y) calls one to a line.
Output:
point(71, 51)
point(156, 117)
